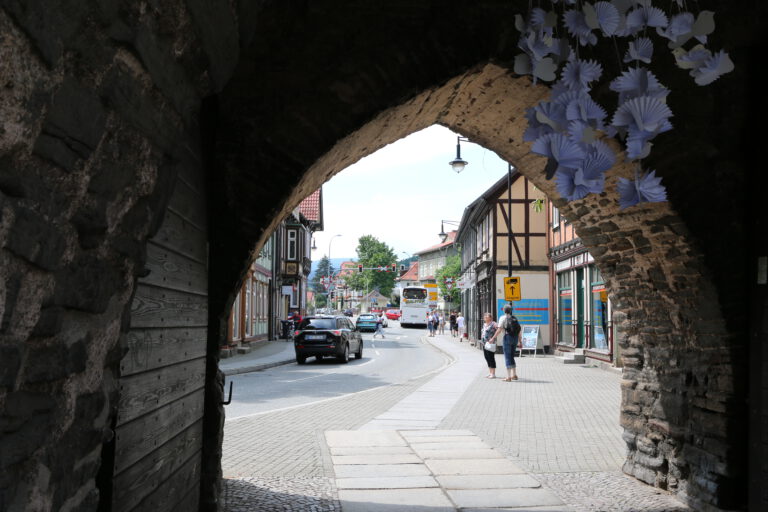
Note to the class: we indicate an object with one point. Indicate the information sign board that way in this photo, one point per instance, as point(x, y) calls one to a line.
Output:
point(431, 293)
point(512, 288)
point(530, 338)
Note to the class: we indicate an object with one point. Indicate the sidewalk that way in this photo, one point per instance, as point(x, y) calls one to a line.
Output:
point(462, 442)
point(264, 355)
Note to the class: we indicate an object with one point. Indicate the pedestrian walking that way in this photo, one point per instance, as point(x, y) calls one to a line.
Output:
point(509, 327)
point(489, 347)
point(379, 325)
point(430, 324)
point(452, 321)
point(441, 320)
point(460, 327)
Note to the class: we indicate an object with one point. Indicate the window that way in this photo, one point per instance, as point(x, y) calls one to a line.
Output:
point(248, 303)
point(292, 248)
point(565, 308)
point(236, 319)
point(555, 217)
point(599, 310)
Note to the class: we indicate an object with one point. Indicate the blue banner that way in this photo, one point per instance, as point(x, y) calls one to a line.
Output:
point(527, 311)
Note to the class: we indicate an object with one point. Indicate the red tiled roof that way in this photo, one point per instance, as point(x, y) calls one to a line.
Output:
point(412, 274)
point(448, 241)
point(310, 207)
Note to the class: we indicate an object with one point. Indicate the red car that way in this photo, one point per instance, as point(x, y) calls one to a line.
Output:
point(393, 314)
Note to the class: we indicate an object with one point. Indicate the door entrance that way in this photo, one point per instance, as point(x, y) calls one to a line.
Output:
point(579, 299)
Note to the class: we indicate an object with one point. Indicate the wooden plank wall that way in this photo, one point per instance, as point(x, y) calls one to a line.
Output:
point(159, 421)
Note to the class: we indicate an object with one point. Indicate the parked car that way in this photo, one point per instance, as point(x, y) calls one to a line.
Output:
point(366, 322)
point(393, 314)
point(348, 312)
point(324, 336)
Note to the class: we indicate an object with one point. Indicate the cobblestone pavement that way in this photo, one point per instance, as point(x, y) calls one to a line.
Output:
point(279, 461)
point(560, 423)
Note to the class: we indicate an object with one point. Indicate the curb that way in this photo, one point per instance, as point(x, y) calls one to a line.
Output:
point(257, 367)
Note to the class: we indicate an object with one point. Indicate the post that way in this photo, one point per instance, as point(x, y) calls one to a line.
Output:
point(509, 220)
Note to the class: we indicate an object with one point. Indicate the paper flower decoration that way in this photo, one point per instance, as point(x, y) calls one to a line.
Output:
point(599, 158)
point(645, 189)
point(644, 113)
point(559, 148)
point(638, 82)
point(645, 16)
point(679, 25)
point(584, 108)
point(608, 17)
point(578, 74)
point(641, 49)
point(576, 24)
point(712, 69)
point(572, 184)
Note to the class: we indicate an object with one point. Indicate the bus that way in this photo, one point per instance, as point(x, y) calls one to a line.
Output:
point(414, 306)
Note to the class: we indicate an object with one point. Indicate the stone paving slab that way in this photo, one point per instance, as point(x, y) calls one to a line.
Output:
point(459, 445)
point(370, 450)
point(458, 453)
point(391, 482)
point(380, 470)
point(395, 500)
point(337, 438)
point(451, 440)
point(473, 467)
point(390, 458)
point(486, 481)
point(496, 498)
point(437, 433)
point(555, 508)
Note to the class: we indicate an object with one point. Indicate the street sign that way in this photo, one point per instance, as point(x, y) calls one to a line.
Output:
point(512, 288)
point(431, 293)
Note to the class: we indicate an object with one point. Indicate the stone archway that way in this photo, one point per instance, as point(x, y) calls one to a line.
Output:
point(667, 307)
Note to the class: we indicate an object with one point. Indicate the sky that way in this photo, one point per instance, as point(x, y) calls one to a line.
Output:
point(401, 193)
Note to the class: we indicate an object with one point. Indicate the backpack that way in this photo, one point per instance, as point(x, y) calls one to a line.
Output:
point(512, 326)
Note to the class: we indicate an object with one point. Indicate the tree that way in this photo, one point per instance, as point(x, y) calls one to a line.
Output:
point(372, 254)
point(451, 269)
point(324, 269)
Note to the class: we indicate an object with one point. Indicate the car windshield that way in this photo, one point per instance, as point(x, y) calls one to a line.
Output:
point(318, 323)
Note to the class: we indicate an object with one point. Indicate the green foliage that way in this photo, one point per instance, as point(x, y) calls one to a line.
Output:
point(452, 268)
point(372, 253)
point(324, 268)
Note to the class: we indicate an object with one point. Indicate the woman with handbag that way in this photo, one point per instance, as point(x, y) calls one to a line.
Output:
point(489, 347)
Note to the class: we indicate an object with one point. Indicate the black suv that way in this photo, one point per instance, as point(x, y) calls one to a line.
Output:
point(327, 336)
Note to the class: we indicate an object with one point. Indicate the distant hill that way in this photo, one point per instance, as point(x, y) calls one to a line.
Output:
point(335, 262)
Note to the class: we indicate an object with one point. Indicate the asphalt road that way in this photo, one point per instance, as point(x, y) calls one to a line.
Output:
point(401, 356)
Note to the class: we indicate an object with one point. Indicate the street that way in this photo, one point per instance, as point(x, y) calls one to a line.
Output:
point(400, 356)
point(558, 424)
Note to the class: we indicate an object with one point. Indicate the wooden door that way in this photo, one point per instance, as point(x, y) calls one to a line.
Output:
point(157, 449)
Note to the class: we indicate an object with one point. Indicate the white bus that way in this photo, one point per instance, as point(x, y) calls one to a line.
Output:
point(414, 306)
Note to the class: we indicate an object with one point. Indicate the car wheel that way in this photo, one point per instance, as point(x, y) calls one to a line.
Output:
point(359, 353)
point(344, 358)
point(301, 359)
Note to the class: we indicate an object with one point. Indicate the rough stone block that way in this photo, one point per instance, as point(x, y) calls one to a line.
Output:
point(35, 239)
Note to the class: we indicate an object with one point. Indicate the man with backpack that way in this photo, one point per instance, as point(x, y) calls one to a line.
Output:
point(510, 328)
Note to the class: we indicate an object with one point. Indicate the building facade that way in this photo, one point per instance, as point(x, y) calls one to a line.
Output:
point(583, 313)
point(276, 282)
point(502, 234)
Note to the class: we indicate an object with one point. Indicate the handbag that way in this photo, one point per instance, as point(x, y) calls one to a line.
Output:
point(490, 346)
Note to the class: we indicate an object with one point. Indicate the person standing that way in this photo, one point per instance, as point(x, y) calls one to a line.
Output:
point(379, 325)
point(452, 321)
point(441, 323)
point(430, 323)
point(510, 328)
point(460, 327)
point(487, 332)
